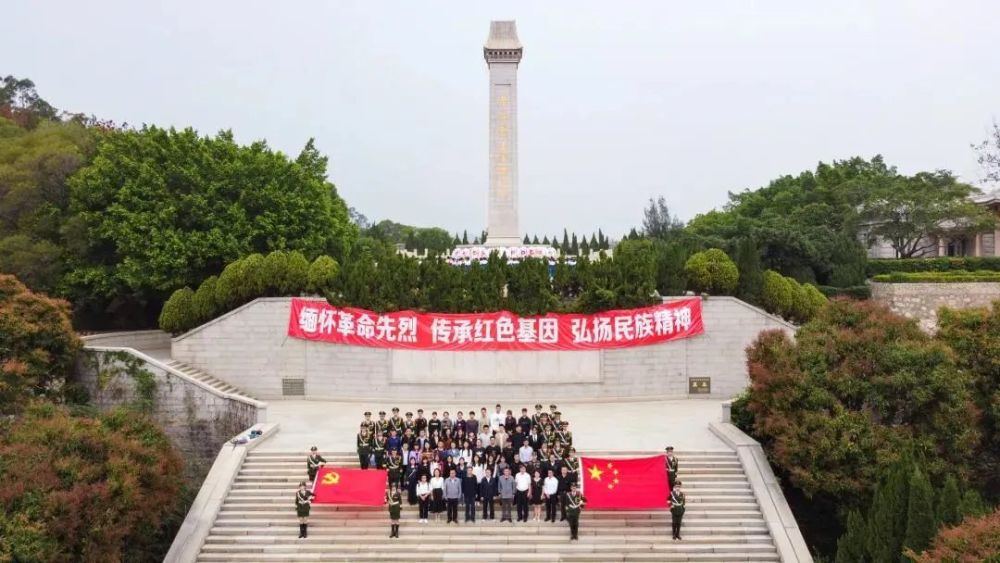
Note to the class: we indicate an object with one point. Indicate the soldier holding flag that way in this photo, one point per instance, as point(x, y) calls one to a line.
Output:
point(676, 509)
point(313, 462)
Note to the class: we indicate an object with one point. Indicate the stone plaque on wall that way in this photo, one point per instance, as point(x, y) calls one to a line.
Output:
point(699, 385)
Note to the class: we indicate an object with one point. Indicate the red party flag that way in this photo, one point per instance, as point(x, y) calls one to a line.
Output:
point(335, 485)
point(637, 482)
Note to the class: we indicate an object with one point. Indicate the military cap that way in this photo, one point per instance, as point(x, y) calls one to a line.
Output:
point(312, 449)
point(670, 448)
point(381, 413)
point(409, 414)
point(538, 406)
point(368, 413)
point(395, 409)
point(557, 413)
point(553, 407)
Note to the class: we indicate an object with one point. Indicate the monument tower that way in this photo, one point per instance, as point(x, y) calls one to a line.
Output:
point(503, 53)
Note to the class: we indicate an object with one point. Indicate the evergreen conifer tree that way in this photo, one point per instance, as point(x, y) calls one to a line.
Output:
point(565, 242)
point(920, 521)
point(526, 239)
point(887, 517)
point(584, 247)
point(594, 245)
point(456, 241)
point(751, 281)
point(545, 240)
point(851, 545)
point(574, 246)
point(535, 240)
point(602, 241)
point(633, 234)
point(465, 237)
point(949, 500)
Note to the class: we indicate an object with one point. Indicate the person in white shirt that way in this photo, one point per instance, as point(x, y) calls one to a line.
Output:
point(496, 418)
point(550, 492)
point(525, 453)
point(424, 495)
point(484, 435)
point(437, 494)
point(501, 437)
point(522, 485)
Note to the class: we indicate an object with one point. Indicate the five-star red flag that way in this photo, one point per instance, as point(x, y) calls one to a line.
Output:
point(637, 482)
point(335, 485)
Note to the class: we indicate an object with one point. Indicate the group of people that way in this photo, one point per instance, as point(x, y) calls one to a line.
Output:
point(441, 463)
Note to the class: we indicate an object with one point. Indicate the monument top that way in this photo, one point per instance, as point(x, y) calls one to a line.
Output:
point(503, 36)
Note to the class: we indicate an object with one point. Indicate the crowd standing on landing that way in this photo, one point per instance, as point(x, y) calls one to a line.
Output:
point(444, 462)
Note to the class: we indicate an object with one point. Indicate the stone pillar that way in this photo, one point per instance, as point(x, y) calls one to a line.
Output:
point(942, 251)
point(503, 53)
point(977, 245)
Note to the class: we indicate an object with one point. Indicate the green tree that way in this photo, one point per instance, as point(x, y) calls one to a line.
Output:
point(465, 237)
point(574, 246)
point(545, 240)
point(777, 293)
point(851, 545)
point(749, 286)
point(203, 304)
point(974, 335)
point(160, 209)
point(657, 221)
point(529, 291)
point(712, 271)
point(178, 313)
point(38, 347)
point(20, 102)
point(949, 499)
point(322, 274)
point(526, 240)
point(858, 387)
point(34, 167)
point(920, 521)
point(910, 211)
point(85, 489)
point(888, 515)
point(565, 242)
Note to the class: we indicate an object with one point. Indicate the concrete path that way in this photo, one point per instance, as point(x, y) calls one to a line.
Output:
point(618, 426)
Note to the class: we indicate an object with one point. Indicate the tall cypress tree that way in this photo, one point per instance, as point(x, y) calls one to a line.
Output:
point(545, 240)
point(920, 525)
point(851, 545)
point(751, 280)
point(594, 245)
point(887, 517)
point(526, 239)
point(584, 247)
point(465, 237)
point(565, 242)
point(949, 499)
point(574, 246)
point(535, 240)
point(602, 241)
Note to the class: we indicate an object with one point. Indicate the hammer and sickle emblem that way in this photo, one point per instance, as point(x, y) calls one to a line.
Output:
point(331, 478)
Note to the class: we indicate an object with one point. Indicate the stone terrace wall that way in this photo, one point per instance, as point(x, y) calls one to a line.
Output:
point(249, 348)
point(921, 301)
point(196, 419)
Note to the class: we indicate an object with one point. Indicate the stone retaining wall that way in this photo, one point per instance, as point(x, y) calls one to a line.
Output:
point(921, 301)
point(197, 419)
point(250, 349)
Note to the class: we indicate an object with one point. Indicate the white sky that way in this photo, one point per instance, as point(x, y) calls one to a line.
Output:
point(619, 101)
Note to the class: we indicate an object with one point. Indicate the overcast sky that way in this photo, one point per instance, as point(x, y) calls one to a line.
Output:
point(619, 101)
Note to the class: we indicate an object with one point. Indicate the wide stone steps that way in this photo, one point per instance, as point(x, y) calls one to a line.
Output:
point(208, 379)
point(257, 522)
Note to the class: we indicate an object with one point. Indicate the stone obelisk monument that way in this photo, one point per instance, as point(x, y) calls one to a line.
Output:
point(503, 53)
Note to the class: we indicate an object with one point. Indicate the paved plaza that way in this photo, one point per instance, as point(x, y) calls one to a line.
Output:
point(619, 426)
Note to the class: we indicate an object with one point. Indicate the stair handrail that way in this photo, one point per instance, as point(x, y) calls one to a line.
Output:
point(260, 405)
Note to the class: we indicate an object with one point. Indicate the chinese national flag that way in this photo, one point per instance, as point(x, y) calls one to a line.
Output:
point(335, 485)
point(638, 482)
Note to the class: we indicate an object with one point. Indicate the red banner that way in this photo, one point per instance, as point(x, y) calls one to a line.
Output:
point(319, 321)
point(335, 485)
point(638, 482)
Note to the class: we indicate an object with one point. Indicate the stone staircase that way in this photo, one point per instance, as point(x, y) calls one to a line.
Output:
point(257, 522)
point(208, 379)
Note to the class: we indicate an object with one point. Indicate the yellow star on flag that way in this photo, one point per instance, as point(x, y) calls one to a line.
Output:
point(595, 473)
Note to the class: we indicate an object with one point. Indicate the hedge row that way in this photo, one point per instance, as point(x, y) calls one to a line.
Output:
point(854, 291)
point(279, 273)
point(955, 276)
point(785, 296)
point(892, 265)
